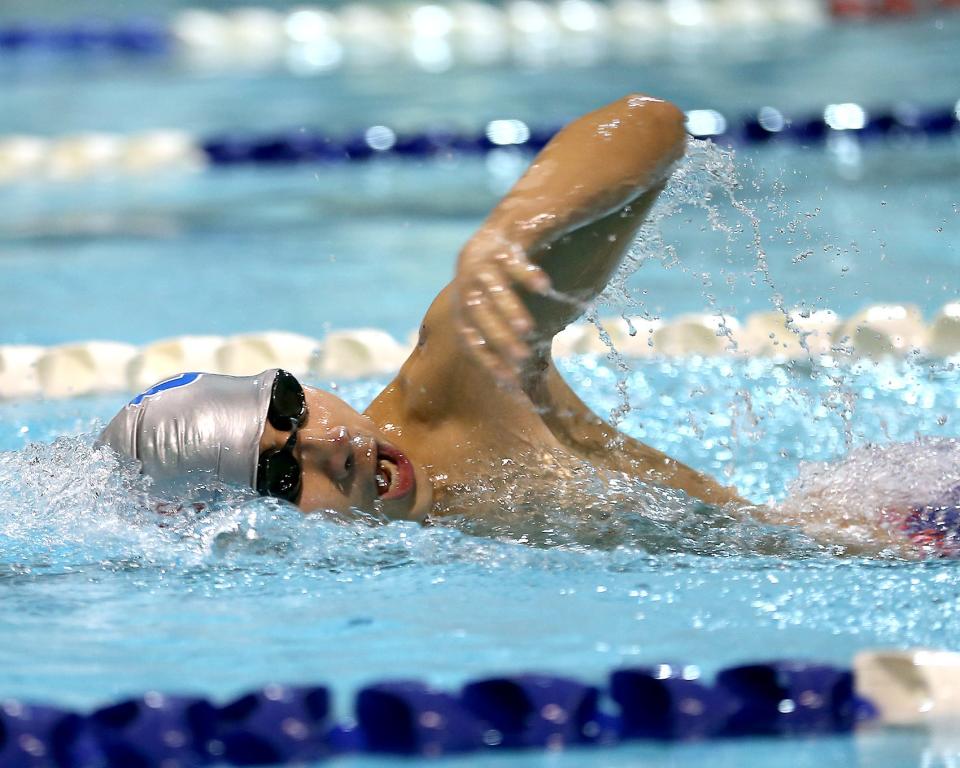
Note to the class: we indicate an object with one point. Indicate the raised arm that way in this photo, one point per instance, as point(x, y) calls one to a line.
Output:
point(554, 241)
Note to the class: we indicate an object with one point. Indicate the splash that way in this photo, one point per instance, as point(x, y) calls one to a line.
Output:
point(707, 174)
point(551, 500)
point(60, 497)
point(856, 506)
point(705, 190)
point(865, 504)
point(68, 506)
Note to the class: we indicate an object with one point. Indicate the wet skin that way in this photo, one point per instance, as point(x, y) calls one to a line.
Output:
point(480, 387)
point(340, 452)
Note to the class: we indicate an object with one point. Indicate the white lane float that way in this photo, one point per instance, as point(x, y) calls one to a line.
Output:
point(910, 687)
point(696, 334)
point(85, 368)
point(357, 353)
point(18, 370)
point(883, 330)
point(789, 336)
point(943, 335)
point(163, 358)
point(254, 352)
point(80, 368)
point(22, 157)
point(160, 151)
point(434, 33)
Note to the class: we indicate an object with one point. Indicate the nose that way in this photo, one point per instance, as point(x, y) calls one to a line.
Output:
point(333, 451)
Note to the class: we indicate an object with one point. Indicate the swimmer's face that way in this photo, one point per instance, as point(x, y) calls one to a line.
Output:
point(348, 463)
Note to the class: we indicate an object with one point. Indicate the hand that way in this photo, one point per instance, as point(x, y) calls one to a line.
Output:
point(494, 322)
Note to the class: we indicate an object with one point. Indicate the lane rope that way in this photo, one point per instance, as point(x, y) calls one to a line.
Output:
point(837, 126)
point(279, 724)
point(436, 36)
point(876, 333)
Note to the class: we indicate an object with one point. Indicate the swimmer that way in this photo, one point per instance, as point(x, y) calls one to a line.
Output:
point(480, 390)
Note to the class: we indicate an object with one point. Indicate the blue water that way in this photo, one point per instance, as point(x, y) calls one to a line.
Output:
point(883, 228)
point(251, 592)
point(101, 598)
point(890, 236)
point(795, 70)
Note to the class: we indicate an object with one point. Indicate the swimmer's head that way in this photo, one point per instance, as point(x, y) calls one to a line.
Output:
point(348, 462)
point(195, 426)
point(269, 433)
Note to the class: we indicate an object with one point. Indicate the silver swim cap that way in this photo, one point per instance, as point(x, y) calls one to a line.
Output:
point(195, 423)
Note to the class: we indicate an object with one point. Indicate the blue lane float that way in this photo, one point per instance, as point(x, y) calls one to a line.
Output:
point(792, 698)
point(146, 731)
point(535, 711)
point(272, 726)
point(39, 736)
point(410, 718)
point(278, 725)
point(87, 37)
point(660, 703)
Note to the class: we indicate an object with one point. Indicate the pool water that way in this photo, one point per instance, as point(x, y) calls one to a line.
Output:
point(102, 597)
point(840, 230)
point(251, 591)
point(86, 251)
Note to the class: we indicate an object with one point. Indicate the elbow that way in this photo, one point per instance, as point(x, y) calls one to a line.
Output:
point(650, 107)
point(663, 118)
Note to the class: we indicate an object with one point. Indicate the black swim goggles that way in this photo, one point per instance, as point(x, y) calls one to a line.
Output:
point(278, 472)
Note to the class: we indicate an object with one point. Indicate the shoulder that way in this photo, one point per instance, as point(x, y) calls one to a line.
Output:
point(442, 380)
point(440, 377)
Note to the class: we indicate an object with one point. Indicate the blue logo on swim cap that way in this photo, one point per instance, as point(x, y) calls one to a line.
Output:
point(180, 380)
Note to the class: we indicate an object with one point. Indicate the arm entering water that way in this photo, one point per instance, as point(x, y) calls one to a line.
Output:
point(554, 241)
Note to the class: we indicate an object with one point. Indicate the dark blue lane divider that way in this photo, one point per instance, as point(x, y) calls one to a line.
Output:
point(127, 37)
point(294, 724)
point(309, 146)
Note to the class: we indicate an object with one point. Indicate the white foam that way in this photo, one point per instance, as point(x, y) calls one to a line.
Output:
point(856, 503)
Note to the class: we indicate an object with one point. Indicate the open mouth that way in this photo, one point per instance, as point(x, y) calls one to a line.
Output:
point(394, 473)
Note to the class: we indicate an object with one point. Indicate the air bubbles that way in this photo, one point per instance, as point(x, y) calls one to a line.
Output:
point(492, 738)
point(505, 165)
point(432, 54)
point(154, 699)
point(314, 44)
point(847, 154)
point(532, 18)
point(319, 56)
point(786, 706)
